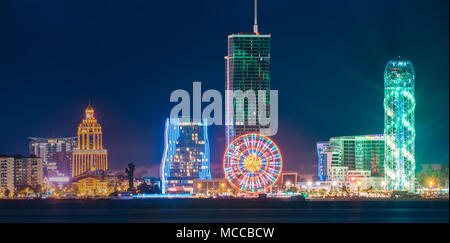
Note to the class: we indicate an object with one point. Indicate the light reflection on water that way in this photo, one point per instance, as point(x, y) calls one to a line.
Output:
point(225, 211)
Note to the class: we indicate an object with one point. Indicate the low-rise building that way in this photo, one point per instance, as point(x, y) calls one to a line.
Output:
point(362, 180)
point(212, 187)
point(90, 185)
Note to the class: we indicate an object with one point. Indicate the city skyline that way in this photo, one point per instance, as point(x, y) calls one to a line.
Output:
point(134, 126)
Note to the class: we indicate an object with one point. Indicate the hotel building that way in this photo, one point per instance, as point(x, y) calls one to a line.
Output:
point(359, 153)
point(186, 156)
point(352, 160)
point(89, 156)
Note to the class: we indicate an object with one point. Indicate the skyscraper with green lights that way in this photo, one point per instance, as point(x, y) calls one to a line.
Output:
point(247, 68)
point(399, 124)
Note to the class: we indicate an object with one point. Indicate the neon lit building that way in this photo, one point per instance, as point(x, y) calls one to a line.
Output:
point(186, 156)
point(324, 154)
point(89, 156)
point(399, 124)
point(359, 153)
point(252, 163)
point(247, 68)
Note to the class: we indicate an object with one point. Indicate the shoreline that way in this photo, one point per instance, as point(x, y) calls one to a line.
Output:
point(231, 199)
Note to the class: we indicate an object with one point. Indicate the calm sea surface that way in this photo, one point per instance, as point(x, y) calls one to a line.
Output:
point(222, 211)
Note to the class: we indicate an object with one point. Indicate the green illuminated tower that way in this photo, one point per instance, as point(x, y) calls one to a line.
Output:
point(399, 124)
point(247, 69)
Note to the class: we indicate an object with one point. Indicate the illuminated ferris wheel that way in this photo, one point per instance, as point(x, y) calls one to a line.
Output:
point(252, 163)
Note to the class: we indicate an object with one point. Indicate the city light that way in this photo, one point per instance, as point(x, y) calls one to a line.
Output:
point(252, 163)
point(364, 162)
point(399, 124)
point(59, 179)
point(89, 155)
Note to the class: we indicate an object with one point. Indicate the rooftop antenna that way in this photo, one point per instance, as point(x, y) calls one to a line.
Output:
point(255, 26)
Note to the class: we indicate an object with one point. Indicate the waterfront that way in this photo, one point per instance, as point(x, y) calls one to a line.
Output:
point(222, 211)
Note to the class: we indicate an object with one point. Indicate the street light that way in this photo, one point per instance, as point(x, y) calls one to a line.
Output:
point(309, 185)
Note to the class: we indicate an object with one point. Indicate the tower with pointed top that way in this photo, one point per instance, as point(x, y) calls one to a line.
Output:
point(89, 156)
point(247, 68)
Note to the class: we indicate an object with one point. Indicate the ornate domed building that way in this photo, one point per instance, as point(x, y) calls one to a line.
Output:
point(89, 156)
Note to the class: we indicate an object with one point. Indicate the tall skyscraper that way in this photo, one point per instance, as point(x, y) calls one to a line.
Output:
point(186, 156)
point(56, 153)
point(89, 156)
point(247, 68)
point(399, 124)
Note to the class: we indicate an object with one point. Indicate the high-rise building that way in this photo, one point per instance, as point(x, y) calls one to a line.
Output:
point(89, 156)
point(6, 173)
point(399, 124)
point(56, 153)
point(247, 69)
point(324, 154)
point(356, 153)
point(186, 156)
point(28, 171)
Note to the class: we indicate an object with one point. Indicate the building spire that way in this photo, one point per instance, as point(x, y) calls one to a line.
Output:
point(255, 26)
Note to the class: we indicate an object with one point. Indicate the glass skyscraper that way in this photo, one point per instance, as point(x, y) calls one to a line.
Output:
point(186, 156)
point(247, 68)
point(399, 124)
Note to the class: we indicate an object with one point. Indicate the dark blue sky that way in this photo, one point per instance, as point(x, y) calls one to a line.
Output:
point(328, 59)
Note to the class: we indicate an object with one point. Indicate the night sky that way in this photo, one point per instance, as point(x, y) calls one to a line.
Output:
point(126, 57)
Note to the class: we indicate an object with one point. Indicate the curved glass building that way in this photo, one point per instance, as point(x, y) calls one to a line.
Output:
point(399, 124)
point(186, 156)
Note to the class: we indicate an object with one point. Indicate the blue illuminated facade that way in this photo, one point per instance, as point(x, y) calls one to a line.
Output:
point(186, 156)
point(322, 160)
